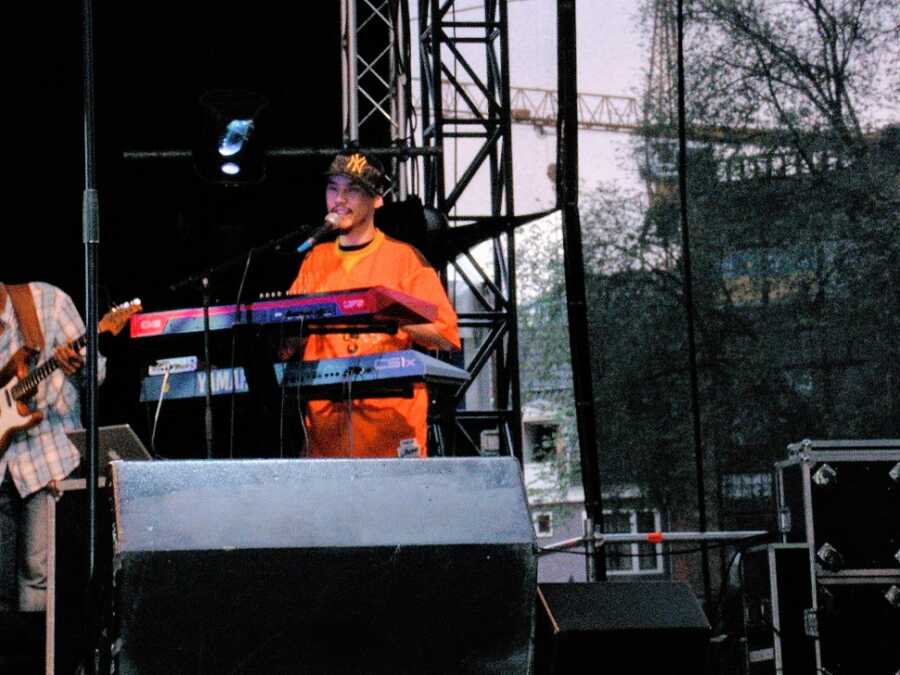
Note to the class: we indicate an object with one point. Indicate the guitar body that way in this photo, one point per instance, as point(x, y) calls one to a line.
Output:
point(18, 384)
point(14, 416)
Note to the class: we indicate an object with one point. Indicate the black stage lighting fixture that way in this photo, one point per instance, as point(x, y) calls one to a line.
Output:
point(230, 148)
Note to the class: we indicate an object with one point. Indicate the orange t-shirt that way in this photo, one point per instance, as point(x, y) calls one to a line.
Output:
point(372, 427)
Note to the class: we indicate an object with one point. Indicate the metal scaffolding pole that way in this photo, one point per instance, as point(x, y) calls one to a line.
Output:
point(478, 48)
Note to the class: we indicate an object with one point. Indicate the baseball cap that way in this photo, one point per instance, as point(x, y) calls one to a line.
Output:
point(365, 170)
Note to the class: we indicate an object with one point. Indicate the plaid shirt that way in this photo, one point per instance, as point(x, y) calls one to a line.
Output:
point(44, 452)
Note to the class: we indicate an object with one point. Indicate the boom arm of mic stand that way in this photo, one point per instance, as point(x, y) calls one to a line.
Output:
point(203, 280)
point(208, 273)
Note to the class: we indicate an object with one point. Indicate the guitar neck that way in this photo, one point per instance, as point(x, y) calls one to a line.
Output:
point(36, 376)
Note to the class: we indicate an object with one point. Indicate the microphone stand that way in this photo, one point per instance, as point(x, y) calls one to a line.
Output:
point(207, 364)
point(94, 654)
point(276, 245)
point(203, 280)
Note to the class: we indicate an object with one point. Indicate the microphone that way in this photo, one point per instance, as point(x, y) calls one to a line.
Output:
point(331, 221)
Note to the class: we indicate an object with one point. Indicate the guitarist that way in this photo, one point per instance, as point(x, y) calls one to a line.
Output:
point(37, 322)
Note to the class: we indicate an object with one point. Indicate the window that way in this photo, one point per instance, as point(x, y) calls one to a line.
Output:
point(747, 485)
point(490, 442)
point(540, 442)
point(634, 558)
point(543, 524)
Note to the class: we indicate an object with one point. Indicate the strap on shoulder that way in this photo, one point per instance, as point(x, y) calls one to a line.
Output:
point(26, 313)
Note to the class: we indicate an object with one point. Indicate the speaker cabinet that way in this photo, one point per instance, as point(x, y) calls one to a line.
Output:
point(658, 627)
point(281, 566)
point(69, 620)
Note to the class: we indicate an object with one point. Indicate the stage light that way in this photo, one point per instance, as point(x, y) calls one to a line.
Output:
point(230, 148)
point(237, 133)
point(895, 473)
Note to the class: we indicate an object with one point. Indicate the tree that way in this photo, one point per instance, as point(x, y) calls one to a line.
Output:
point(794, 210)
point(794, 201)
point(813, 70)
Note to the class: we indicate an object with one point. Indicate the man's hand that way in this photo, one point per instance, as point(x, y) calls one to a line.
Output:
point(70, 361)
point(427, 336)
point(53, 489)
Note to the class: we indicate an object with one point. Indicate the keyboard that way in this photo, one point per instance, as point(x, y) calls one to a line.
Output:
point(377, 309)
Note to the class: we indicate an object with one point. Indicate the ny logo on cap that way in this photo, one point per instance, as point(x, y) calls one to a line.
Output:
point(357, 164)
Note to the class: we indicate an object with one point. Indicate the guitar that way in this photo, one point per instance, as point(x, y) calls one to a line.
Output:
point(14, 413)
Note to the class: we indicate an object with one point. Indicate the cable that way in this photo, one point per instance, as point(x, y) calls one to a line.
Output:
point(283, 394)
point(348, 382)
point(723, 585)
point(303, 428)
point(237, 313)
point(300, 400)
point(162, 392)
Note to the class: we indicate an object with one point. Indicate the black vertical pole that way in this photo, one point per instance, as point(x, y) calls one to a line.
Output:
point(579, 338)
point(91, 238)
point(506, 175)
point(689, 303)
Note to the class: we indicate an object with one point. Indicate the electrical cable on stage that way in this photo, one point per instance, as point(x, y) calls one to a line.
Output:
point(237, 312)
point(281, 400)
point(162, 393)
point(301, 413)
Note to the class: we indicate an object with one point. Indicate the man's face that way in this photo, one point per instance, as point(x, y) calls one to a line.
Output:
point(351, 202)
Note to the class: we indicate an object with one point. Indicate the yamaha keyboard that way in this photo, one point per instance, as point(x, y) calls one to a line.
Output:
point(367, 376)
point(192, 384)
point(375, 309)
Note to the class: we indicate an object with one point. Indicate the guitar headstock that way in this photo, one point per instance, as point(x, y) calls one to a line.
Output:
point(116, 318)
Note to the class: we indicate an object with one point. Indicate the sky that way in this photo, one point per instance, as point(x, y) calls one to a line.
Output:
point(611, 60)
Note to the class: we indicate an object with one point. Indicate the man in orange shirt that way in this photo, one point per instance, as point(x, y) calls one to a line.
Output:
point(363, 256)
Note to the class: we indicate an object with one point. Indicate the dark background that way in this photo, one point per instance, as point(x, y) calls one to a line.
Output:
point(159, 220)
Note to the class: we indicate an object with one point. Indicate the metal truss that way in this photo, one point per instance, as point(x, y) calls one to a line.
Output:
point(540, 107)
point(375, 65)
point(377, 106)
point(448, 47)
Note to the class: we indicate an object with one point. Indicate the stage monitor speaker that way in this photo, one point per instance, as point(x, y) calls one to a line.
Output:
point(656, 627)
point(314, 566)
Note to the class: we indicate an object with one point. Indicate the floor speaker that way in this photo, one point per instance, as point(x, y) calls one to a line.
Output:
point(653, 627)
point(69, 616)
point(314, 566)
